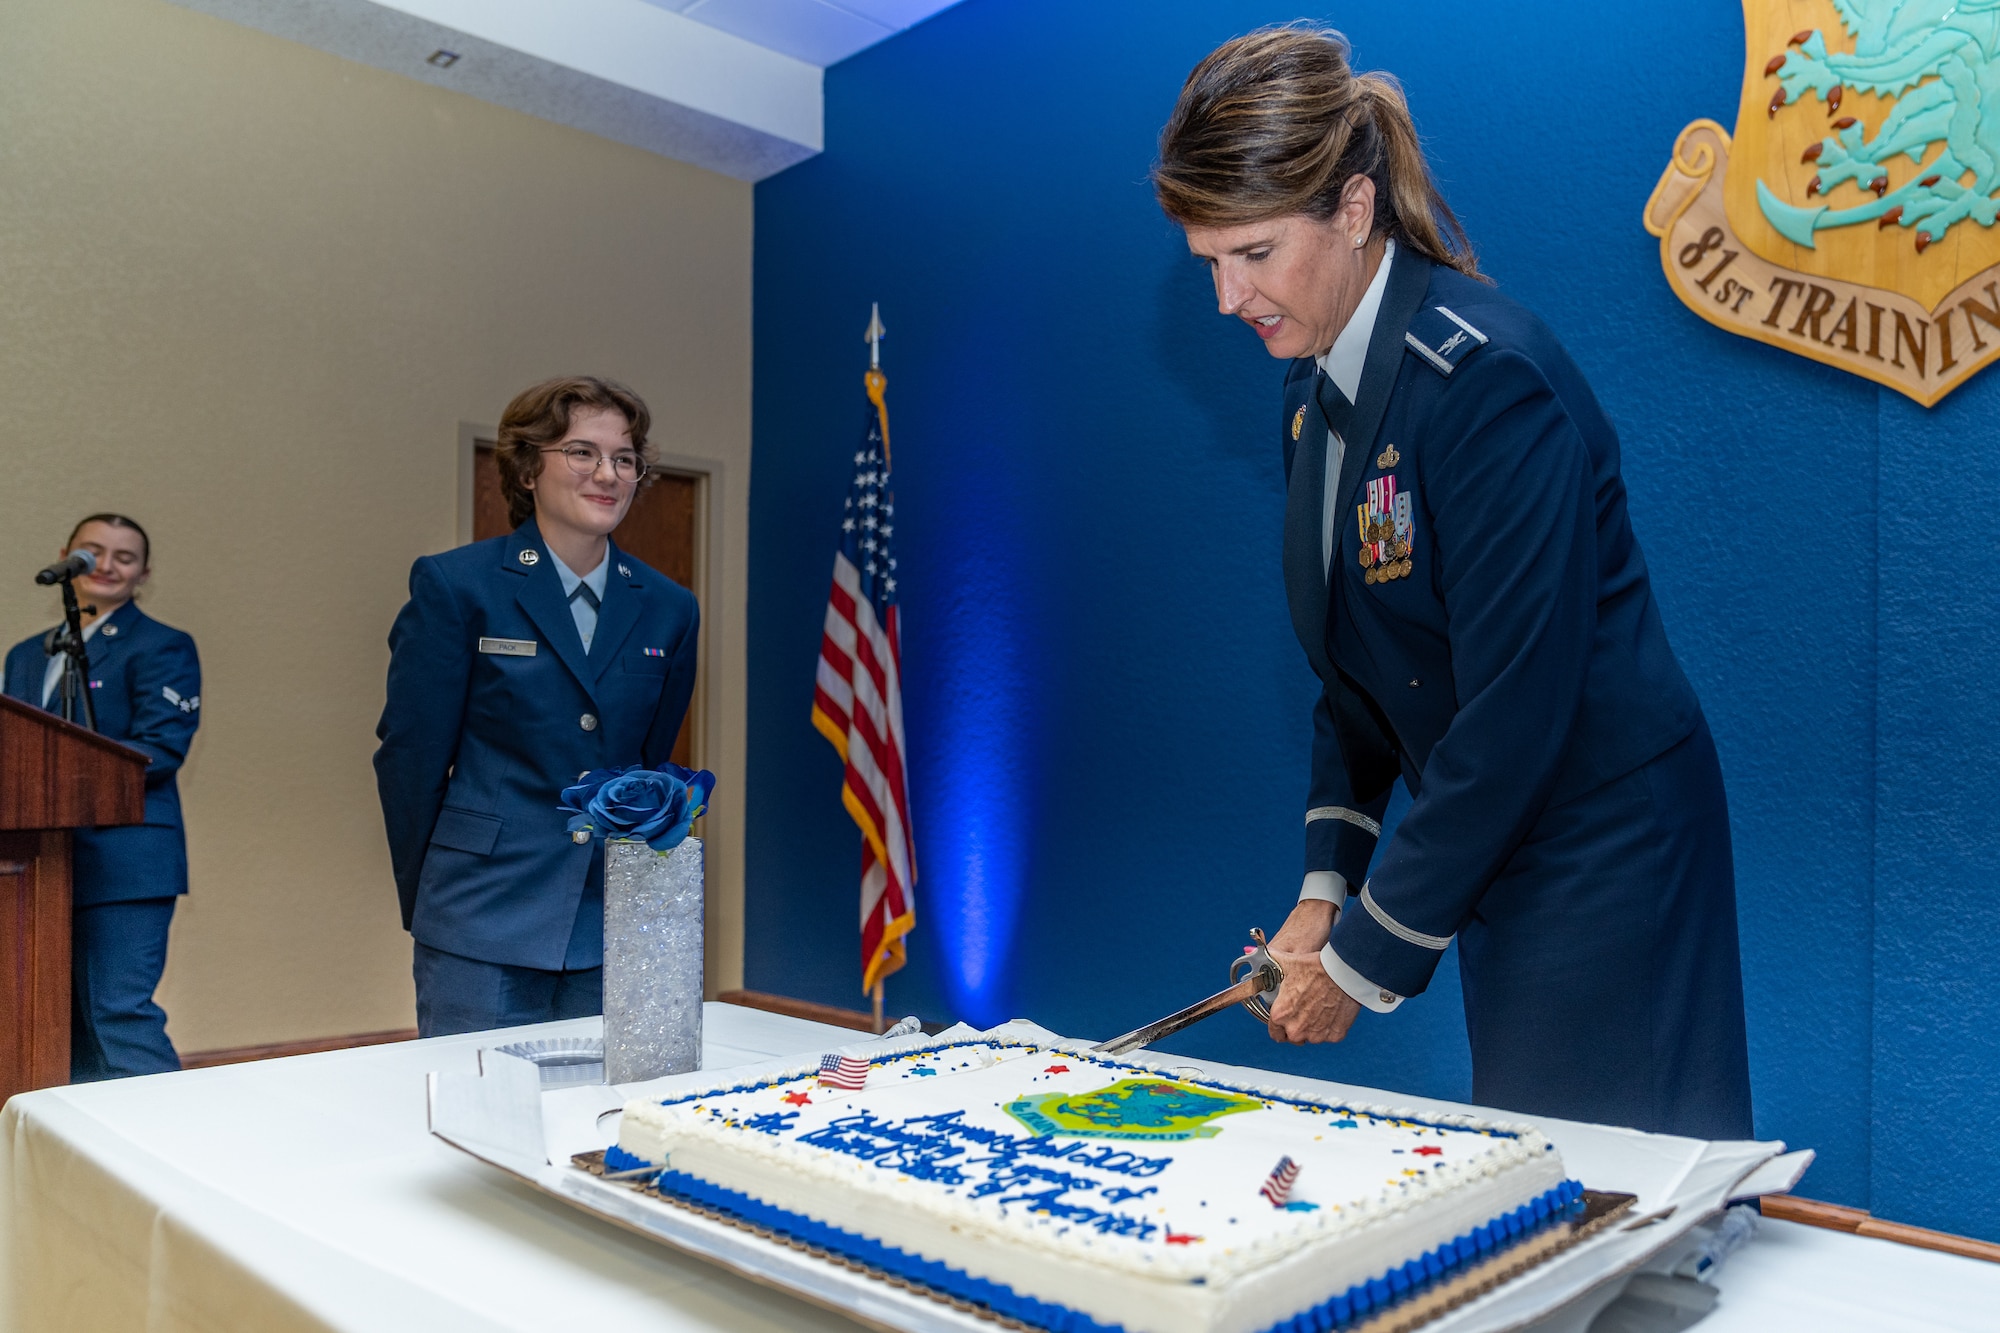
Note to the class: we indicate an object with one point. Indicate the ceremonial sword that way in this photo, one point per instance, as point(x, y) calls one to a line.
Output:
point(1262, 976)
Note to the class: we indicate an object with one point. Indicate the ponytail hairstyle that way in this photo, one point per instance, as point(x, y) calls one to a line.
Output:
point(1276, 123)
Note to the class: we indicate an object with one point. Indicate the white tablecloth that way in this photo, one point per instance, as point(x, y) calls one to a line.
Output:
point(308, 1194)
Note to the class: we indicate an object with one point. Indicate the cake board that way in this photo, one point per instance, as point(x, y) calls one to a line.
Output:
point(505, 1119)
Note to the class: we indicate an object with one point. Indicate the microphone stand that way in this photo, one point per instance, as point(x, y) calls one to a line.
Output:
point(76, 664)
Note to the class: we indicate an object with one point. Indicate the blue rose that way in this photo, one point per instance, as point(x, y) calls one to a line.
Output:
point(656, 806)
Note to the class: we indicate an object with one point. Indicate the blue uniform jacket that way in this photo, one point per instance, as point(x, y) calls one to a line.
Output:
point(1500, 649)
point(493, 708)
point(146, 681)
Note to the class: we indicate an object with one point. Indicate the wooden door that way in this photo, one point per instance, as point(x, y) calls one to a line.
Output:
point(659, 529)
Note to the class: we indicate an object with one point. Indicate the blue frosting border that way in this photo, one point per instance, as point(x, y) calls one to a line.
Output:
point(1565, 1200)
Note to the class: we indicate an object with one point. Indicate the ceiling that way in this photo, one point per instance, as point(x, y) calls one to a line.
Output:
point(819, 32)
point(730, 85)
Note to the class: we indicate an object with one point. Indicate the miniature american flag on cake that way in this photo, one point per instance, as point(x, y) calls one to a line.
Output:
point(1278, 1185)
point(843, 1071)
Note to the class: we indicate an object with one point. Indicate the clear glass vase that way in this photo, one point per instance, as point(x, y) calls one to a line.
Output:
point(652, 960)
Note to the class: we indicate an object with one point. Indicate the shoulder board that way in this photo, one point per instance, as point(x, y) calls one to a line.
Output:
point(1441, 339)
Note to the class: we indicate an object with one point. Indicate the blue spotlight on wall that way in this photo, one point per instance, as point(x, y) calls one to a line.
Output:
point(976, 783)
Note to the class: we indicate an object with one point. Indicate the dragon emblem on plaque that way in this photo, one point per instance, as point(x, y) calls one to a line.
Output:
point(1850, 218)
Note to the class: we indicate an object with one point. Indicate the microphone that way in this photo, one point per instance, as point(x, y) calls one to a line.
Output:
point(75, 563)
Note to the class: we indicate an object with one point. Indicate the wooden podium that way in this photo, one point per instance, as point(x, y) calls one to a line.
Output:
point(54, 777)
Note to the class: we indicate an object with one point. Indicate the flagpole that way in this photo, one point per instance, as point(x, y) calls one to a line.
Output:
point(879, 1029)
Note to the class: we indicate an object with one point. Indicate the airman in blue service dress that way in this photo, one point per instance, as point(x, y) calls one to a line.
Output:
point(494, 706)
point(146, 681)
point(1486, 630)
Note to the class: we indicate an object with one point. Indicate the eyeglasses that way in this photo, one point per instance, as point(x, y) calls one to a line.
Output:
point(584, 461)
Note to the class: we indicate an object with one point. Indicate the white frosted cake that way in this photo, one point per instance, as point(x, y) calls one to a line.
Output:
point(1080, 1192)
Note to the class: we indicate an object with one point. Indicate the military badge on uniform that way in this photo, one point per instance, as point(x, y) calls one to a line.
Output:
point(624, 571)
point(1298, 421)
point(530, 556)
point(1386, 529)
point(1388, 458)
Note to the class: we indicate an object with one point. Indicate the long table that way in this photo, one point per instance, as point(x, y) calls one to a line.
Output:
point(308, 1194)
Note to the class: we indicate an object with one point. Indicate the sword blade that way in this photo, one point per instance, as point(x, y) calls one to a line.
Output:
point(1251, 985)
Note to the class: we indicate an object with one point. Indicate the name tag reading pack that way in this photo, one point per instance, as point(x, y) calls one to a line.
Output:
point(508, 647)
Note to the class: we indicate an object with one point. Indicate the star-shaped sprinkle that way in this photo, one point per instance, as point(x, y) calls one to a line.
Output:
point(924, 1073)
point(1176, 1238)
point(1346, 1124)
point(798, 1099)
point(1056, 1069)
point(1429, 1151)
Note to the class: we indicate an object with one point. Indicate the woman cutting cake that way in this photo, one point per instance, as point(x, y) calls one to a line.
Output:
point(1462, 573)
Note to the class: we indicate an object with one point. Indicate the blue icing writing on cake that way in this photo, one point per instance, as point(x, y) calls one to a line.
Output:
point(1070, 1190)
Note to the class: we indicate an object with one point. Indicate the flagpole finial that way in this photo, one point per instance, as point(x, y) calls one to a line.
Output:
point(875, 334)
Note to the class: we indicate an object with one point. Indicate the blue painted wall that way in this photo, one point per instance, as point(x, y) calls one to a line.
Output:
point(1107, 710)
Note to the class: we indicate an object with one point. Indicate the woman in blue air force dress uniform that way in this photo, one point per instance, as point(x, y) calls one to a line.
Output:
point(146, 683)
point(1462, 573)
point(519, 663)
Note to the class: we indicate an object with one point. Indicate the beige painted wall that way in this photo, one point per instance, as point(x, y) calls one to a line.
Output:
point(247, 294)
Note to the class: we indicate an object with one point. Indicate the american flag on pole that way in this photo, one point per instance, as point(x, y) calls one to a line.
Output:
point(843, 1071)
point(858, 694)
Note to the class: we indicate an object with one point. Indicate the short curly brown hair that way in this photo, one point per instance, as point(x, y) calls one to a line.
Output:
point(540, 416)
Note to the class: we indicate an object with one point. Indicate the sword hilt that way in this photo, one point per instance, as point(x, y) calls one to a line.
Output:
point(1257, 962)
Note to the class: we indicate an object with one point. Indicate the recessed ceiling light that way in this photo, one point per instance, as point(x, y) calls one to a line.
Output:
point(442, 58)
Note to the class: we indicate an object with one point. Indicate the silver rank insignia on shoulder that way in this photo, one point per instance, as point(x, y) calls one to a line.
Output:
point(624, 571)
point(1442, 339)
point(1388, 458)
point(530, 556)
point(509, 647)
point(1298, 421)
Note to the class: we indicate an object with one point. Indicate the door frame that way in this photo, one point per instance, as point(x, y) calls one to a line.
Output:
point(710, 477)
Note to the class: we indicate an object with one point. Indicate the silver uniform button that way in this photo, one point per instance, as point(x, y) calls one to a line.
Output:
point(588, 722)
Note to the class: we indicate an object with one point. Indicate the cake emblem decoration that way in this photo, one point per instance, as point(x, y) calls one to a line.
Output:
point(1131, 1108)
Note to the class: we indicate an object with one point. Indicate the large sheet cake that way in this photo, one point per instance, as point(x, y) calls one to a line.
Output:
point(1080, 1192)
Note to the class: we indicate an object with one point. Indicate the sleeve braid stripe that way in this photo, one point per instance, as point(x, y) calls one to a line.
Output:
point(1398, 929)
point(1354, 817)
